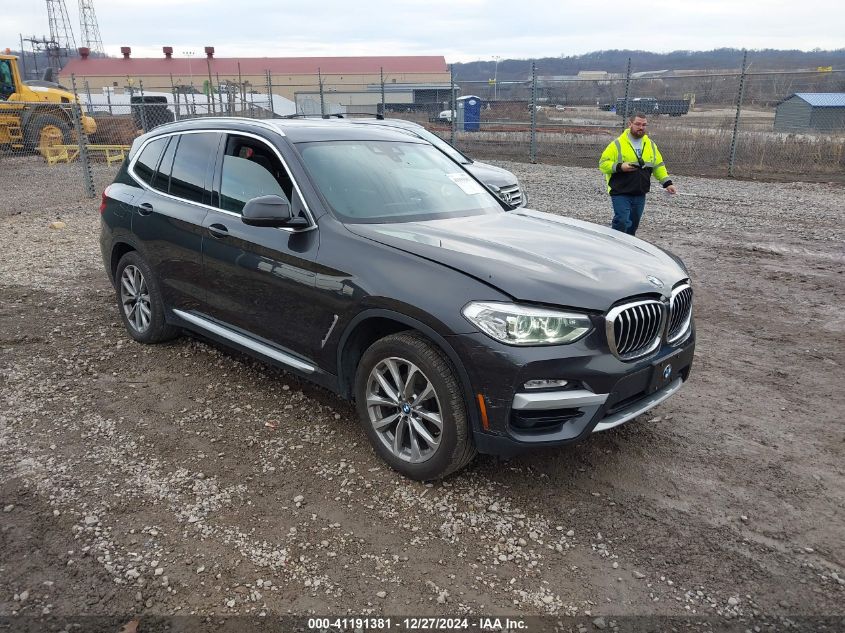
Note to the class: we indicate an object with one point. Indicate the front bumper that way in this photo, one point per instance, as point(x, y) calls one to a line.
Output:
point(603, 391)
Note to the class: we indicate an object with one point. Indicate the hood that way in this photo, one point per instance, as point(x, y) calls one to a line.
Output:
point(538, 257)
point(490, 174)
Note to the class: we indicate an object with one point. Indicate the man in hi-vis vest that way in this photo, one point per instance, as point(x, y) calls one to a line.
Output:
point(628, 164)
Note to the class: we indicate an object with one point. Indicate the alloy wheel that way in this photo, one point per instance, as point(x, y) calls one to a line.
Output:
point(404, 410)
point(135, 299)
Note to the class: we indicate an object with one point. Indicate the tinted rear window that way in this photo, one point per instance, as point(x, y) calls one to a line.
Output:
point(190, 165)
point(147, 162)
point(161, 181)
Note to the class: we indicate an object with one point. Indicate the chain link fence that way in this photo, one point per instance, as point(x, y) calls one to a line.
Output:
point(766, 125)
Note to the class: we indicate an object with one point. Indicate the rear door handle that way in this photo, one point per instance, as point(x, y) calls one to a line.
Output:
point(145, 208)
point(218, 230)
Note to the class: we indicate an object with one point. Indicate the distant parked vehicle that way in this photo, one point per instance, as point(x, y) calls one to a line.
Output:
point(443, 117)
point(653, 106)
point(500, 181)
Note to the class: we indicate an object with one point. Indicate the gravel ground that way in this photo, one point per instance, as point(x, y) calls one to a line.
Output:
point(185, 479)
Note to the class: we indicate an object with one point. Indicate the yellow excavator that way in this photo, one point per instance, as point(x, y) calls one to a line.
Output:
point(35, 115)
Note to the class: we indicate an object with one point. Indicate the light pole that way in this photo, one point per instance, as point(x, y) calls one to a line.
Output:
point(188, 55)
point(496, 78)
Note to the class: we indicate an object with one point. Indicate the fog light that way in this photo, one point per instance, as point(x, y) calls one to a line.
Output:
point(545, 384)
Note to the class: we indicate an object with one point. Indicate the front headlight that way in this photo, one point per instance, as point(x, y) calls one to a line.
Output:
point(524, 325)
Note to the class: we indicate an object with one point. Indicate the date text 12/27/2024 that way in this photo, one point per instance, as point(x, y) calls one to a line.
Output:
point(416, 624)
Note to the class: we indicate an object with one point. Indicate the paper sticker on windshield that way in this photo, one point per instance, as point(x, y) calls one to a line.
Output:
point(467, 184)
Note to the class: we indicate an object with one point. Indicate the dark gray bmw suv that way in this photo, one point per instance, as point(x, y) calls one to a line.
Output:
point(369, 262)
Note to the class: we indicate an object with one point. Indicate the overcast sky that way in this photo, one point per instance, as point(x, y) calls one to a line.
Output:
point(461, 30)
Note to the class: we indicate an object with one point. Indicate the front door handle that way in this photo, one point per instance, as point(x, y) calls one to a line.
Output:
point(145, 208)
point(218, 230)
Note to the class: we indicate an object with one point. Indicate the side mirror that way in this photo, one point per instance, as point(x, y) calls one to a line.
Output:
point(271, 211)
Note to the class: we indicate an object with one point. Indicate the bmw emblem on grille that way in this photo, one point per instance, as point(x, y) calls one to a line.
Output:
point(654, 281)
point(667, 371)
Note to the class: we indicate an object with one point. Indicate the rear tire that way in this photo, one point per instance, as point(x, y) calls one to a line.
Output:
point(139, 301)
point(412, 408)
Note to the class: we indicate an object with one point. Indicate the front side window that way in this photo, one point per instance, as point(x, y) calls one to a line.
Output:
point(145, 166)
point(390, 181)
point(250, 169)
point(190, 165)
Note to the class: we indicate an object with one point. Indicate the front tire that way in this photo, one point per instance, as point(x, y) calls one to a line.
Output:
point(139, 301)
point(411, 406)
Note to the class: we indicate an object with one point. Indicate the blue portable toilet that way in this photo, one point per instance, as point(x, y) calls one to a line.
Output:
point(469, 113)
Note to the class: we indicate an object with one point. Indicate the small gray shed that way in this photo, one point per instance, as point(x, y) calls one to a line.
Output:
point(811, 111)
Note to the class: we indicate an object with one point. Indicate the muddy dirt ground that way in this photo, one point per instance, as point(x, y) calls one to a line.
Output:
point(184, 479)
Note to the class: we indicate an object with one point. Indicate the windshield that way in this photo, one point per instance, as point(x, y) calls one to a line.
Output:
point(388, 181)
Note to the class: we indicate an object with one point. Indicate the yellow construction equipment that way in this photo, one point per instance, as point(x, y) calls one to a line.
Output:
point(35, 115)
point(67, 153)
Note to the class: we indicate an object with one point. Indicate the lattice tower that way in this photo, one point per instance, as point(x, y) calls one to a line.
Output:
point(60, 32)
point(90, 32)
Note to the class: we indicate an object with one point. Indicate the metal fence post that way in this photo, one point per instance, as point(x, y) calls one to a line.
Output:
point(739, 96)
point(627, 93)
point(219, 93)
point(210, 95)
point(89, 107)
point(533, 149)
point(141, 105)
point(453, 112)
point(270, 93)
point(322, 98)
point(381, 74)
point(241, 90)
point(175, 99)
point(82, 139)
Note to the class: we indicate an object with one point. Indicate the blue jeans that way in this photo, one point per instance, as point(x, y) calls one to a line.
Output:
point(627, 211)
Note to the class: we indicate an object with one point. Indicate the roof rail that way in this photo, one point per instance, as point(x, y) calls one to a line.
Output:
point(259, 122)
point(334, 115)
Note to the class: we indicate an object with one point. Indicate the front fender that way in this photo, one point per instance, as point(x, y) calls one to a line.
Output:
point(345, 381)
